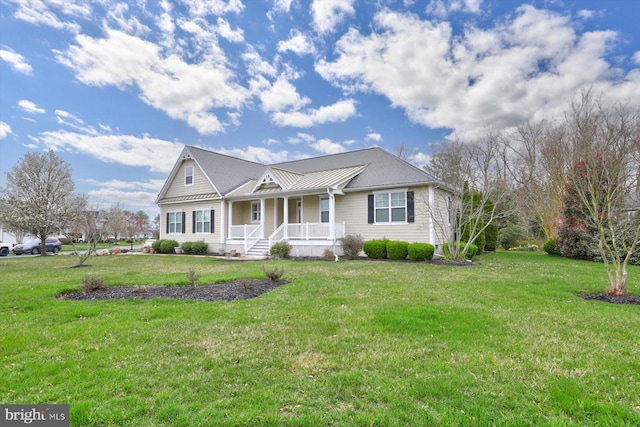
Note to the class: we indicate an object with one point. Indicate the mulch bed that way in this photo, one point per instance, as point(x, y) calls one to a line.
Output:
point(228, 291)
point(613, 299)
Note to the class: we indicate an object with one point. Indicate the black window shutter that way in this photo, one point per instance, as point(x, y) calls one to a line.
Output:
point(370, 218)
point(410, 207)
point(193, 222)
point(184, 220)
point(167, 222)
point(213, 217)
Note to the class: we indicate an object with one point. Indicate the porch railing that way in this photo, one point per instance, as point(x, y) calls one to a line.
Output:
point(307, 231)
point(249, 233)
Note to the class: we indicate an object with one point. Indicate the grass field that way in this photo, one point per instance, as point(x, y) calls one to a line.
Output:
point(505, 343)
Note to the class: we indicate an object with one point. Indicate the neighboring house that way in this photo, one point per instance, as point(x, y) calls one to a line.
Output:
point(235, 204)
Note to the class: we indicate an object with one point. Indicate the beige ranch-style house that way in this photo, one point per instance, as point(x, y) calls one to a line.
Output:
point(240, 206)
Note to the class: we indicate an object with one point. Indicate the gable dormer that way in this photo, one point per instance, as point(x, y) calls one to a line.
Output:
point(268, 181)
point(276, 179)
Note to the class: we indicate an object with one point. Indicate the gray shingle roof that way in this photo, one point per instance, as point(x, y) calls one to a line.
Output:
point(381, 169)
point(226, 172)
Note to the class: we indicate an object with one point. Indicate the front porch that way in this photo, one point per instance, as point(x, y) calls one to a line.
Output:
point(265, 222)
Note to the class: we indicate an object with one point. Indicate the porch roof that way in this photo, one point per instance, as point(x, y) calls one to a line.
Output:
point(300, 183)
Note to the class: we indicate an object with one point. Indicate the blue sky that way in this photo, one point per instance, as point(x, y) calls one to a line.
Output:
point(118, 88)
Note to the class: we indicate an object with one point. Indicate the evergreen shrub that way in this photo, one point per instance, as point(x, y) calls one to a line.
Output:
point(420, 251)
point(397, 250)
point(376, 249)
point(168, 246)
point(551, 248)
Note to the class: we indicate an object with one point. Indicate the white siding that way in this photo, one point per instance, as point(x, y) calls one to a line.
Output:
point(352, 209)
point(213, 239)
point(200, 185)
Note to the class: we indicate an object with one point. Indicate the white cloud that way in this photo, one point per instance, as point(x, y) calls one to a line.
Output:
point(225, 30)
point(282, 95)
point(17, 61)
point(49, 13)
point(184, 91)
point(257, 65)
point(374, 137)
point(30, 107)
point(202, 8)
point(5, 130)
point(155, 154)
point(298, 43)
point(327, 14)
point(256, 154)
point(636, 57)
point(441, 8)
point(523, 68)
point(326, 146)
point(338, 112)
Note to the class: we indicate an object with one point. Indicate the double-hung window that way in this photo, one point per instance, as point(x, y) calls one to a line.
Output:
point(391, 207)
point(255, 212)
point(324, 209)
point(188, 175)
point(202, 221)
point(174, 222)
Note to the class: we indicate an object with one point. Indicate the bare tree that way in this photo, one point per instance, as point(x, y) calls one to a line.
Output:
point(39, 197)
point(405, 153)
point(605, 149)
point(115, 224)
point(475, 171)
point(89, 223)
point(538, 166)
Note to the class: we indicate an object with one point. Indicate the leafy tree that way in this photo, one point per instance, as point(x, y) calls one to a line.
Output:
point(39, 197)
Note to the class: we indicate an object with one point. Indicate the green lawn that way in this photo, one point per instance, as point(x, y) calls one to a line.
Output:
point(502, 343)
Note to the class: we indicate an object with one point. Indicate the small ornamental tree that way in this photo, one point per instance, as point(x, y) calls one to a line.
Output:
point(575, 235)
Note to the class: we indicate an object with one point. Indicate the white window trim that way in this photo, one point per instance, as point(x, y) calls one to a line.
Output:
point(321, 198)
point(208, 212)
point(178, 215)
point(259, 211)
point(389, 192)
point(186, 175)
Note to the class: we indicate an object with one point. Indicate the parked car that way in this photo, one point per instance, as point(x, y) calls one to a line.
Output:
point(148, 243)
point(32, 246)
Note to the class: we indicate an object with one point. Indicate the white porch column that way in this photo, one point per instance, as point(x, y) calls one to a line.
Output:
point(230, 218)
point(222, 221)
point(275, 213)
point(432, 225)
point(286, 217)
point(332, 216)
point(262, 216)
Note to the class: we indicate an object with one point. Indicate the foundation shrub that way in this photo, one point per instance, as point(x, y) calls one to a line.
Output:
point(186, 247)
point(397, 250)
point(376, 249)
point(280, 250)
point(352, 244)
point(156, 245)
point(198, 248)
point(420, 251)
point(168, 246)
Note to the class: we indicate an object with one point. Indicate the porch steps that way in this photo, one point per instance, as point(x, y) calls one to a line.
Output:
point(260, 249)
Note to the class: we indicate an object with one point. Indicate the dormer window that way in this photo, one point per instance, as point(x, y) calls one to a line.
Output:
point(188, 175)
